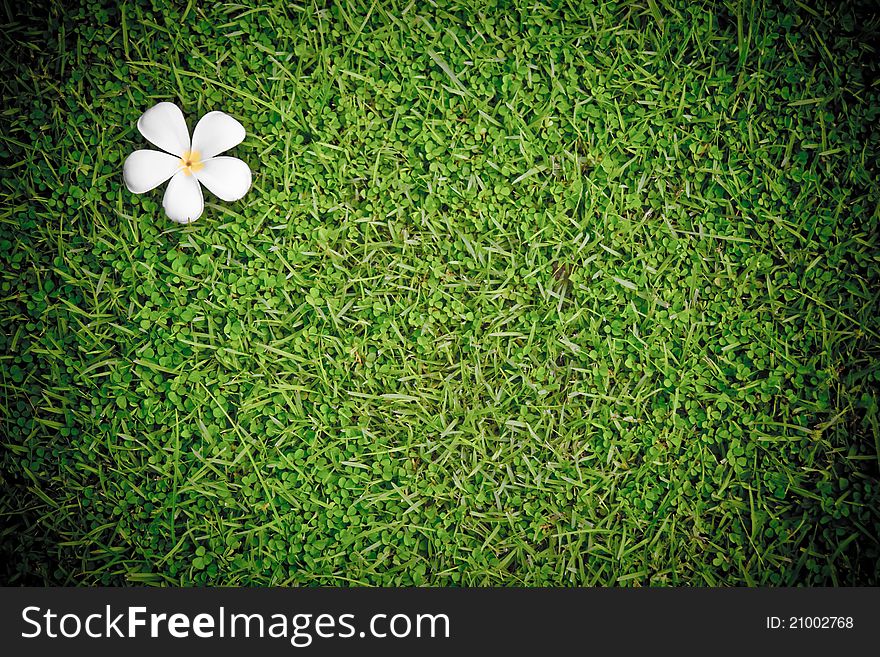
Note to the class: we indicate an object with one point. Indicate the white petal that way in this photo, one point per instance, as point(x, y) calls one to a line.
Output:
point(183, 200)
point(227, 177)
point(164, 125)
point(144, 170)
point(216, 132)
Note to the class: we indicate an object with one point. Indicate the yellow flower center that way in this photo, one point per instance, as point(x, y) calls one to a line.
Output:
point(191, 162)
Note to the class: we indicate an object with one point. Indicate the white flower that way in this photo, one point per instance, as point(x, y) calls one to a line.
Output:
point(189, 163)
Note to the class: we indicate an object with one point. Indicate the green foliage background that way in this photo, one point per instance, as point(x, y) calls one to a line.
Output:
point(565, 293)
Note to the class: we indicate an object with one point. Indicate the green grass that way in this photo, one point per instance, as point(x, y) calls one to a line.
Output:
point(580, 294)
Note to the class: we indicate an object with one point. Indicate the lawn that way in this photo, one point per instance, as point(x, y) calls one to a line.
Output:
point(575, 293)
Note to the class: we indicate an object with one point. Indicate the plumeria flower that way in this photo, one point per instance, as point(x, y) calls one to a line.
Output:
point(187, 163)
